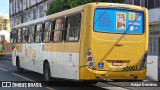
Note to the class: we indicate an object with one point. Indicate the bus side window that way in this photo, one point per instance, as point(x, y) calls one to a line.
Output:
point(14, 35)
point(31, 33)
point(38, 35)
point(58, 29)
point(73, 27)
point(25, 35)
point(47, 31)
point(19, 38)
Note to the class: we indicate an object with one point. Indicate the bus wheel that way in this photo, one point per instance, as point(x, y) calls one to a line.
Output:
point(19, 69)
point(46, 72)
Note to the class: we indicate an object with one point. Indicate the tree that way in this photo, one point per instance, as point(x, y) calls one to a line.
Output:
point(60, 5)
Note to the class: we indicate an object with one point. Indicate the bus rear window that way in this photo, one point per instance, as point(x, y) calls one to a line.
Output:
point(118, 21)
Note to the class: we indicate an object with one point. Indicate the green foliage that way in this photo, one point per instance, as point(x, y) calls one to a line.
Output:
point(60, 5)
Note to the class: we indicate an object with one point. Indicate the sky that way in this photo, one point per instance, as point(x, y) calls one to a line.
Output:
point(4, 8)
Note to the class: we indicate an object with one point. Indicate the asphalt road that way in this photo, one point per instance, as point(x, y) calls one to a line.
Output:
point(8, 73)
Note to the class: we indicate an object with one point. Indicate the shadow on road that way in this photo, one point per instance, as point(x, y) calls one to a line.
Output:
point(58, 83)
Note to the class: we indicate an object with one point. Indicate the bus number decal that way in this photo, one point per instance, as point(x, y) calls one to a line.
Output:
point(130, 68)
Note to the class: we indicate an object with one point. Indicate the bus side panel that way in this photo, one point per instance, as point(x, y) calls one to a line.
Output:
point(63, 59)
point(147, 30)
point(71, 60)
point(14, 54)
point(86, 34)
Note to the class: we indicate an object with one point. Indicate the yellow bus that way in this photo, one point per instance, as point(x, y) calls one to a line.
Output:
point(92, 42)
point(2, 45)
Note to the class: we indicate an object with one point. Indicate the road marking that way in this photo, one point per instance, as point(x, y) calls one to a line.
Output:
point(3, 69)
point(115, 87)
point(31, 80)
point(22, 77)
point(145, 80)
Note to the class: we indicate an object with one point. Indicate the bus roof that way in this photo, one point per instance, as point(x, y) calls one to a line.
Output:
point(78, 9)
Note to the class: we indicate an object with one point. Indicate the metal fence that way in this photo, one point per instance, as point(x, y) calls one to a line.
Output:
point(154, 45)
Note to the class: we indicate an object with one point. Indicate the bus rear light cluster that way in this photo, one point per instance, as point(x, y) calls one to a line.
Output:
point(90, 59)
point(143, 62)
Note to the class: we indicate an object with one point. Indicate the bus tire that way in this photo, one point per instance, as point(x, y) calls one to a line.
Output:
point(47, 72)
point(19, 69)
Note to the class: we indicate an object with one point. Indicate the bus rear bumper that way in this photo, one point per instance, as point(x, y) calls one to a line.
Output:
point(110, 75)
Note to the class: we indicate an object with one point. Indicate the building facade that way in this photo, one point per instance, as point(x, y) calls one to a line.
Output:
point(25, 10)
point(22, 11)
point(153, 7)
point(4, 23)
point(145, 3)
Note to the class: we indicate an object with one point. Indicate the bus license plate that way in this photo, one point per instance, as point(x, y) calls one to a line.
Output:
point(117, 63)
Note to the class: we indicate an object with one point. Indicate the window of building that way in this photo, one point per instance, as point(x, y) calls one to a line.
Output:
point(73, 27)
point(39, 30)
point(41, 11)
point(146, 3)
point(31, 33)
point(34, 14)
point(58, 29)
point(129, 2)
point(48, 4)
point(157, 3)
point(24, 4)
point(47, 32)
point(19, 36)
point(143, 3)
point(150, 4)
point(25, 17)
point(137, 2)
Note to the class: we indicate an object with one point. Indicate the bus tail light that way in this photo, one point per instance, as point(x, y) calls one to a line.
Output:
point(90, 59)
point(143, 62)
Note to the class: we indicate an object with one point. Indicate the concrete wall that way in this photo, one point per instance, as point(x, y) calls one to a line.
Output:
point(154, 15)
point(152, 68)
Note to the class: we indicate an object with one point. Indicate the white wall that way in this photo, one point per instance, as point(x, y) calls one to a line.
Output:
point(152, 68)
point(154, 15)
